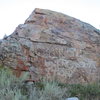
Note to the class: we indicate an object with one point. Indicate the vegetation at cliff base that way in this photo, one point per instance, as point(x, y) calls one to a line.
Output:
point(13, 88)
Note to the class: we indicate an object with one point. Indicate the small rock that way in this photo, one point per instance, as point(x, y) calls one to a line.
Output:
point(72, 98)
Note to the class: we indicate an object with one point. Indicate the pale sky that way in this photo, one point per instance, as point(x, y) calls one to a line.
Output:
point(15, 12)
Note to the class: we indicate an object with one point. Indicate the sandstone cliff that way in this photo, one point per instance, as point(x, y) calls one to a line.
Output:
point(53, 45)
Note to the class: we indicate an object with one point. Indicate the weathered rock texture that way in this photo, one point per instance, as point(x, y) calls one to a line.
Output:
point(53, 45)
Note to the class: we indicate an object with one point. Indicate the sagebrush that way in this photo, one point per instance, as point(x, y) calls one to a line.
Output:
point(13, 88)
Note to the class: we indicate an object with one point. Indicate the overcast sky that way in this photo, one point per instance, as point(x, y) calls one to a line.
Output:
point(15, 12)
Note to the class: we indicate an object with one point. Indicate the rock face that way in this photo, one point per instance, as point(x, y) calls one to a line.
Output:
point(53, 45)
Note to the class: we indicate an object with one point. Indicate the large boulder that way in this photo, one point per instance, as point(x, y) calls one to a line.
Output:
point(53, 45)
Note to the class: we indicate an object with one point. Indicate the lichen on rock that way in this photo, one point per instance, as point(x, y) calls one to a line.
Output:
point(53, 45)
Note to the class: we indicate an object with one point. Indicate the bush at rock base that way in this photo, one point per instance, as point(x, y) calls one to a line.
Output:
point(13, 88)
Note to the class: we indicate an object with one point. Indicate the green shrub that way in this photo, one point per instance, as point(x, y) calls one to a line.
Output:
point(47, 91)
point(13, 88)
point(10, 86)
point(85, 92)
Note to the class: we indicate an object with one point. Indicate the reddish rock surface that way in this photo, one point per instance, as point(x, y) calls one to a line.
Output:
point(53, 45)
